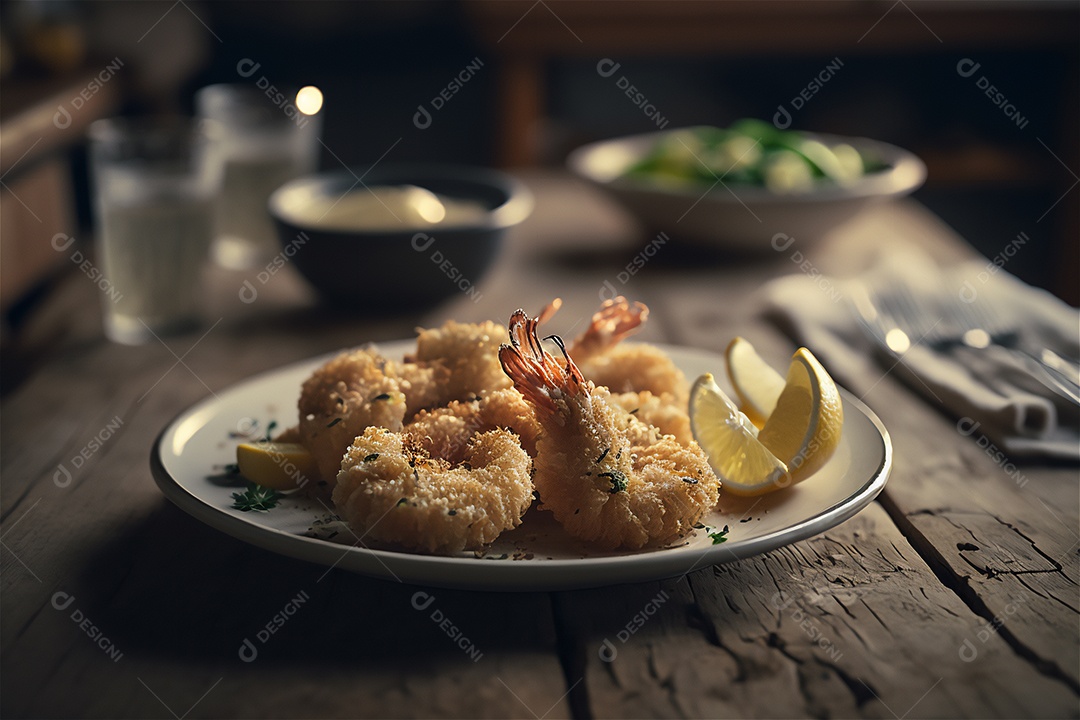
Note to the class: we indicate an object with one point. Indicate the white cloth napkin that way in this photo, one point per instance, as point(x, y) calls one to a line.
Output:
point(990, 391)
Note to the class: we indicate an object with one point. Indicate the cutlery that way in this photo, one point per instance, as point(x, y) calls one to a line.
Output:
point(981, 326)
point(896, 318)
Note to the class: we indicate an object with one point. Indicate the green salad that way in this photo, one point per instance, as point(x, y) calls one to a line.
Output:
point(751, 152)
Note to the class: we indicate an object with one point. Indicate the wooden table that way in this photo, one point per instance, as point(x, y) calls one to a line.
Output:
point(116, 604)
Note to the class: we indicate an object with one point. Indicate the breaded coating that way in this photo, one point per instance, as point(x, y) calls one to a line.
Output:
point(637, 368)
point(442, 431)
point(470, 352)
point(661, 412)
point(607, 477)
point(392, 491)
point(343, 397)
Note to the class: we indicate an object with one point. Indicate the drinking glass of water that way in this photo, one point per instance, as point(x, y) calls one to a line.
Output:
point(269, 136)
point(154, 186)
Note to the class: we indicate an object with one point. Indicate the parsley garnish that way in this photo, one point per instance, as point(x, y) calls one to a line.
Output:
point(618, 480)
point(270, 431)
point(719, 536)
point(256, 498)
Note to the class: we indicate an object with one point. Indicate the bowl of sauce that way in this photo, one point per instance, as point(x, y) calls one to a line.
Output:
point(397, 237)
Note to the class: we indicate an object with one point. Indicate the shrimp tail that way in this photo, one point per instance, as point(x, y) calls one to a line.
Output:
point(535, 372)
point(548, 311)
point(616, 320)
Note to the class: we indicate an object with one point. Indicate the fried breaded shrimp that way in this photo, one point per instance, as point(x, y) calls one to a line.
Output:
point(470, 353)
point(637, 368)
point(442, 431)
point(340, 399)
point(602, 358)
point(606, 476)
point(657, 411)
point(390, 490)
point(422, 383)
point(616, 320)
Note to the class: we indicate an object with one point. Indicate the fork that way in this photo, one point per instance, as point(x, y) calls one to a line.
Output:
point(983, 327)
point(897, 319)
point(893, 317)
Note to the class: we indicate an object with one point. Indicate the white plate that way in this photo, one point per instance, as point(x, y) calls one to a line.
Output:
point(192, 449)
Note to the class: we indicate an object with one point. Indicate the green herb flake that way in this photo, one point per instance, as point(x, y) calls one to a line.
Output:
point(719, 536)
point(256, 499)
point(372, 456)
point(334, 422)
point(384, 396)
point(618, 480)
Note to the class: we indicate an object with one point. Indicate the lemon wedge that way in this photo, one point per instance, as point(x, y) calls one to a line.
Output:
point(804, 428)
point(280, 466)
point(757, 385)
point(743, 463)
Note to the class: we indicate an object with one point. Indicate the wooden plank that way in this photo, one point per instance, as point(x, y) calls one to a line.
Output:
point(139, 569)
point(946, 491)
point(851, 623)
point(177, 600)
point(1007, 542)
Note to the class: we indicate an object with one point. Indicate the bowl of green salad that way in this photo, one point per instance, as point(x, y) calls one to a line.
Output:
point(742, 186)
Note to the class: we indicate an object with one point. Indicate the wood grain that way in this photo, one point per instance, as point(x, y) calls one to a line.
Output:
point(885, 615)
point(851, 623)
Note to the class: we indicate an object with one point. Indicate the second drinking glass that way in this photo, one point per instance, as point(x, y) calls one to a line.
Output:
point(267, 138)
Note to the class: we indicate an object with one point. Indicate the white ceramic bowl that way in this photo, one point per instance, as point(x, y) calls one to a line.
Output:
point(741, 217)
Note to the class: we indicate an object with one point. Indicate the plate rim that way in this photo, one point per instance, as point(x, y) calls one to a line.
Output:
point(508, 575)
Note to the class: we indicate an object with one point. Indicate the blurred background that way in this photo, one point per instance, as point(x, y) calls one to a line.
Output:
point(520, 84)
